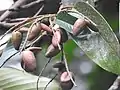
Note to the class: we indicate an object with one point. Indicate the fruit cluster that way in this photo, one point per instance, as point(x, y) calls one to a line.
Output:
point(56, 36)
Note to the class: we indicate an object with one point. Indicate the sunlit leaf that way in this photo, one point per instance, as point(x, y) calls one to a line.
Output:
point(102, 47)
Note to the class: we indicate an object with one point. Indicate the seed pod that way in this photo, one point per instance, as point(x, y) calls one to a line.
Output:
point(59, 64)
point(52, 51)
point(79, 24)
point(46, 28)
point(64, 36)
point(92, 26)
point(65, 81)
point(16, 39)
point(35, 31)
point(56, 39)
point(29, 61)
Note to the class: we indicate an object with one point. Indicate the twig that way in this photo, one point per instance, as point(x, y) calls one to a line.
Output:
point(42, 72)
point(67, 69)
point(15, 20)
point(50, 81)
point(116, 84)
point(26, 6)
point(15, 5)
point(26, 21)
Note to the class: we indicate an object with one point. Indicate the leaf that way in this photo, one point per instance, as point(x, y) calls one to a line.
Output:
point(102, 47)
point(13, 79)
point(12, 56)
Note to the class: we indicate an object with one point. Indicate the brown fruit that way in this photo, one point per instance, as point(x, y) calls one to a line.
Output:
point(29, 61)
point(35, 31)
point(52, 51)
point(46, 28)
point(65, 81)
point(79, 24)
point(56, 39)
point(16, 39)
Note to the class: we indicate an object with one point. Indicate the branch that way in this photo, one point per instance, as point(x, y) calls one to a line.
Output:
point(27, 8)
point(15, 5)
point(31, 4)
point(116, 84)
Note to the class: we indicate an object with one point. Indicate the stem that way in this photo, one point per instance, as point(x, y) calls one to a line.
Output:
point(67, 69)
point(50, 81)
point(42, 72)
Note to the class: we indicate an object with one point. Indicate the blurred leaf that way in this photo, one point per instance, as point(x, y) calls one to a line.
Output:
point(13, 79)
point(11, 57)
point(102, 47)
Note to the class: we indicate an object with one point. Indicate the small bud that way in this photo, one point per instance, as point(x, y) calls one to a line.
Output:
point(35, 31)
point(79, 24)
point(46, 28)
point(52, 51)
point(16, 39)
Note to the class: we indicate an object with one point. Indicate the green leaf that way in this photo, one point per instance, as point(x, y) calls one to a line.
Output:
point(102, 47)
point(13, 79)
